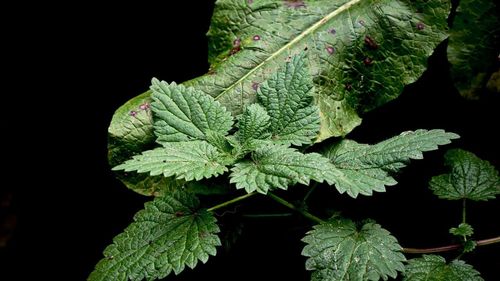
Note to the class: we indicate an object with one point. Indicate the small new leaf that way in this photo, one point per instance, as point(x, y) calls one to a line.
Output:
point(463, 230)
point(339, 250)
point(185, 113)
point(253, 124)
point(435, 268)
point(470, 178)
point(168, 235)
point(192, 160)
point(287, 97)
point(277, 166)
point(362, 168)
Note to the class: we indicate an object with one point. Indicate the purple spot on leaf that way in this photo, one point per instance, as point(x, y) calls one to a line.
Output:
point(361, 22)
point(348, 87)
point(295, 4)
point(420, 26)
point(144, 106)
point(133, 113)
point(255, 86)
point(370, 42)
point(333, 31)
point(249, 1)
point(256, 38)
point(237, 42)
point(330, 50)
point(368, 61)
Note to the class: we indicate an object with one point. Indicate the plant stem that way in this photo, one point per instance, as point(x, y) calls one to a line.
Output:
point(449, 247)
point(310, 191)
point(232, 201)
point(293, 207)
point(464, 216)
point(267, 215)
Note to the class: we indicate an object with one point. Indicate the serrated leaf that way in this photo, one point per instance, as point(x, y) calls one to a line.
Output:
point(361, 53)
point(185, 113)
point(339, 250)
point(277, 166)
point(287, 97)
point(192, 160)
point(168, 235)
point(253, 124)
point(435, 268)
point(463, 229)
point(470, 178)
point(473, 46)
point(362, 168)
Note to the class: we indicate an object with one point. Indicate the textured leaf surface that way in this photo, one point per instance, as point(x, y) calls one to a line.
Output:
point(192, 160)
point(339, 250)
point(183, 114)
point(470, 178)
point(474, 45)
point(287, 98)
point(361, 53)
point(168, 235)
point(362, 168)
point(277, 166)
point(253, 124)
point(463, 229)
point(435, 268)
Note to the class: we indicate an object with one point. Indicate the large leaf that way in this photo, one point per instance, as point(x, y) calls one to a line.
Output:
point(277, 166)
point(470, 178)
point(435, 268)
point(183, 114)
point(474, 45)
point(168, 235)
point(362, 168)
point(338, 250)
point(192, 160)
point(361, 53)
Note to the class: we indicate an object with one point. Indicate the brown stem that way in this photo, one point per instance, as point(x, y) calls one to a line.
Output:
point(449, 247)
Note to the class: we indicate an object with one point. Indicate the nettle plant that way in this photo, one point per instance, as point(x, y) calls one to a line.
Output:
point(285, 76)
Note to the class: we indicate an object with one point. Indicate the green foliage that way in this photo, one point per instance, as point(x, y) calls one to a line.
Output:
point(183, 114)
point(463, 230)
point(192, 160)
point(435, 268)
point(168, 235)
point(469, 178)
point(285, 75)
point(341, 250)
point(277, 166)
point(362, 168)
point(473, 46)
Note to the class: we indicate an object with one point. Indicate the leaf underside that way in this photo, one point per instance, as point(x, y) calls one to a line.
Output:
point(470, 178)
point(168, 235)
point(339, 250)
point(435, 268)
point(362, 168)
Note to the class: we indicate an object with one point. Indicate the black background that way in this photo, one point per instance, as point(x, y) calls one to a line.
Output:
point(68, 71)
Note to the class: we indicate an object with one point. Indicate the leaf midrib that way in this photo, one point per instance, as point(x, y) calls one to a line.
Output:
point(305, 33)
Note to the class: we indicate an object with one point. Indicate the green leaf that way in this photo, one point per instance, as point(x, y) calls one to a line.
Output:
point(253, 124)
point(360, 53)
point(184, 113)
point(463, 230)
point(277, 166)
point(435, 268)
point(168, 235)
point(473, 46)
point(287, 98)
point(470, 178)
point(362, 168)
point(339, 250)
point(192, 160)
